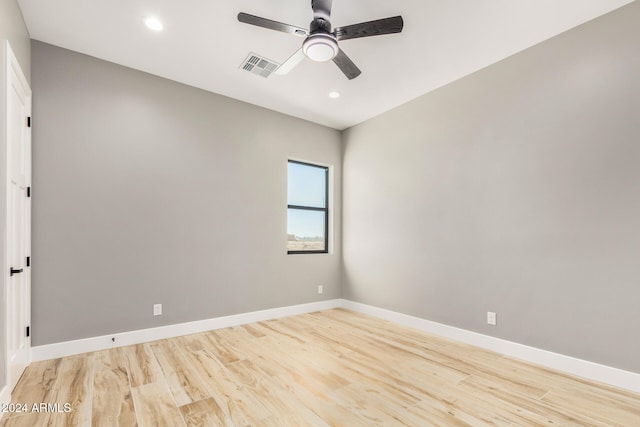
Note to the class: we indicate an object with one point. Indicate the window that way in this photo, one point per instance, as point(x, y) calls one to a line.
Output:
point(308, 208)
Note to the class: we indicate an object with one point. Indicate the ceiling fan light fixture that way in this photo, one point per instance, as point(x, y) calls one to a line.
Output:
point(320, 47)
point(153, 23)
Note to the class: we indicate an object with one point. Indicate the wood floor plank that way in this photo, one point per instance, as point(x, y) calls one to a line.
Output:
point(303, 337)
point(112, 401)
point(327, 368)
point(318, 367)
point(237, 402)
point(509, 407)
point(222, 350)
point(270, 358)
point(110, 359)
point(596, 408)
point(184, 381)
point(36, 384)
point(365, 402)
point(255, 332)
point(213, 344)
point(74, 387)
point(276, 400)
point(331, 412)
point(434, 413)
point(205, 413)
point(498, 381)
point(155, 407)
point(25, 420)
point(141, 364)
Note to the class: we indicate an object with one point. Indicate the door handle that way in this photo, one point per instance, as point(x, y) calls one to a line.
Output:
point(14, 271)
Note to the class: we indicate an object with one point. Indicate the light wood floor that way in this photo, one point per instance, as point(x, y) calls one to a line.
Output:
point(334, 368)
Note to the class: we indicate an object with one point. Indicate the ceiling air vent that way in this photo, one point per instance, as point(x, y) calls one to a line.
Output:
point(256, 64)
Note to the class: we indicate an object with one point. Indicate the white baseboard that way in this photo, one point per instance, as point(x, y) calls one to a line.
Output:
point(582, 368)
point(69, 348)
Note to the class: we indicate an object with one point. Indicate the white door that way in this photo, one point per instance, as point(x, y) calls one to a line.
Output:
point(18, 219)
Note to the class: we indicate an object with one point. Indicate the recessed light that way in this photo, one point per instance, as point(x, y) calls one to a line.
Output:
point(153, 24)
point(334, 95)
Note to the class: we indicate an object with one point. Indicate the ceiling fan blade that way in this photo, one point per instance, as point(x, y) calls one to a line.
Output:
point(272, 25)
point(321, 8)
point(346, 65)
point(291, 63)
point(371, 28)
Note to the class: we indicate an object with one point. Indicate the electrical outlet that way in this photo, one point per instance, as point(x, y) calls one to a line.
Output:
point(320, 289)
point(492, 318)
point(157, 309)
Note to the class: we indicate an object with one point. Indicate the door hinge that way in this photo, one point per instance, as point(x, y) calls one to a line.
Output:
point(28, 261)
point(28, 191)
point(29, 121)
point(28, 331)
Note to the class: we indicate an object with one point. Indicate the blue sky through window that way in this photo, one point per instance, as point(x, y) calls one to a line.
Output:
point(305, 224)
point(306, 187)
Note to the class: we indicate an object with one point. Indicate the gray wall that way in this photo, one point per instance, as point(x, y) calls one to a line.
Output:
point(149, 191)
point(12, 28)
point(514, 190)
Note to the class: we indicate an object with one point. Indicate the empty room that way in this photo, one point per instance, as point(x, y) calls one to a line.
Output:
point(320, 213)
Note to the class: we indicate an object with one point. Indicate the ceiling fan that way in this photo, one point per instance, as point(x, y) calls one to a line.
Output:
point(320, 43)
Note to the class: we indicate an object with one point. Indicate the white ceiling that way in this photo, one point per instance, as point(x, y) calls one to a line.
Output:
point(203, 45)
